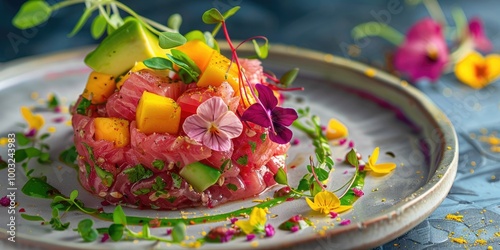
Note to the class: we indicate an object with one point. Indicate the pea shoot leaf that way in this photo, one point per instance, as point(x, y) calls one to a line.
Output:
point(212, 16)
point(289, 77)
point(98, 26)
point(174, 21)
point(179, 232)
point(280, 177)
point(83, 19)
point(31, 14)
point(262, 51)
point(159, 63)
point(170, 40)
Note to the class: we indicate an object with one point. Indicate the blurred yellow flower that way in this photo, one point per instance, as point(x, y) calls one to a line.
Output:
point(381, 168)
point(477, 71)
point(325, 202)
point(255, 223)
point(34, 121)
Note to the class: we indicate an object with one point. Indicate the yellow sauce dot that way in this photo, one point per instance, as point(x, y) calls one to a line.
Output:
point(254, 244)
point(449, 148)
point(383, 200)
point(68, 123)
point(471, 171)
point(481, 242)
point(404, 83)
point(4, 141)
point(454, 217)
point(493, 177)
point(34, 95)
point(328, 58)
point(51, 129)
point(490, 248)
point(370, 72)
point(460, 240)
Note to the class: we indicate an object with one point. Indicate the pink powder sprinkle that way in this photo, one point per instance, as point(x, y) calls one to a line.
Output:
point(333, 215)
point(323, 127)
point(233, 220)
point(59, 119)
point(5, 201)
point(342, 141)
point(358, 192)
point(345, 172)
point(250, 237)
point(105, 203)
point(295, 142)
point(351, 144)
point(345, 222)
point(339, 160)
point(22, 210)
point(361, 168)
point(105, 237)
point(294, 229)
point(169, 231)
point(57, 109)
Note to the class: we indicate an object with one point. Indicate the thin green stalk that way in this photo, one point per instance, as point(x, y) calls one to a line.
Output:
point(377, 29)
point(435, 11)
point(65, 4)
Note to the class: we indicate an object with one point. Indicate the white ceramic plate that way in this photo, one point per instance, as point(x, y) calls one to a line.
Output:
point(378, 109)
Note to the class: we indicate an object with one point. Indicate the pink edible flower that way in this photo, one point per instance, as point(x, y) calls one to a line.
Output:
point(476, 31)
point(5, 201)
point(358, 192)
point(213, 125)
point(105, 237)
point(269, 229)
point(345, 222)
point(424, 53)
point(169, 231)
point(267, 114)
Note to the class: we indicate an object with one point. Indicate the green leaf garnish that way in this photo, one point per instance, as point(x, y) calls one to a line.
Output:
point(98, 26)
point(352, 158)
point(32, 217)
point(115, 231)
point(212, 16)
point(83, 19)
point(174, 21)
point(243, 160)
point(137, 173)
point(280, 177)
point(289, 76)
point(179, 232)
point(119, 216)
point(170, 40)
point(31, 14)
point(86, 230)
point(69, 157)
point(262, 51)
point(159, 63)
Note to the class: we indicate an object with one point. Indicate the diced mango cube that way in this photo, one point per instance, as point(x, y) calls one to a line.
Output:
point(217, 72)
point(99, 87)
point(115, 130)
point(157, 114)
point(336, 130)
point(198, 51)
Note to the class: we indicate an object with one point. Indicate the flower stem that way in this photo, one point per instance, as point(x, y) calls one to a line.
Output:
point(377, 29)
point(435, 11)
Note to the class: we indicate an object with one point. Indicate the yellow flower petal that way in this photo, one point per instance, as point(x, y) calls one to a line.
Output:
point(312, 205)
point(383, 168)
point(34, 121)
point(245, 226)
point(476, 71)
point(342, 209)
point(372, 160)
point(493, 62)
point(336, 130)
point(258, 216)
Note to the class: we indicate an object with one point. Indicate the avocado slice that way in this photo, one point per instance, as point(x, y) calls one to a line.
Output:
point(119, 51)
point(200, 176)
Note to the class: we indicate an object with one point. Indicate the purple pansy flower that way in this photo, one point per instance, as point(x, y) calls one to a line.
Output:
point(266, 114)
point(424, 53)
point(476, 31)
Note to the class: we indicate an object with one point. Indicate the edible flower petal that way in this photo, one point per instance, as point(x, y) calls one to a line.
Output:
point(35, 122)
point(476, 31)
point(255, 222)
point(266, 114)
point(381, 168)
point(424, 53)
point(478, 71)
point(325, 202)
point(213, 125)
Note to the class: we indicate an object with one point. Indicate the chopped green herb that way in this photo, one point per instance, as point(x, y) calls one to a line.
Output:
point(263, 137)
point(105, 176)
point(158, 164)
point(243, 160)
point(231, 186)
point(82, 107)
point(137, 173)
point(177, 180)
point(253, 146)
point(159, 184)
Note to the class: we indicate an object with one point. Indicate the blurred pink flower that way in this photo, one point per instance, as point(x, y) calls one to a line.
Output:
point(476, 31)
point(424, 53)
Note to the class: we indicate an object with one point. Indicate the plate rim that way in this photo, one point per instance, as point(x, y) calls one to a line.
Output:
point(443, 176)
